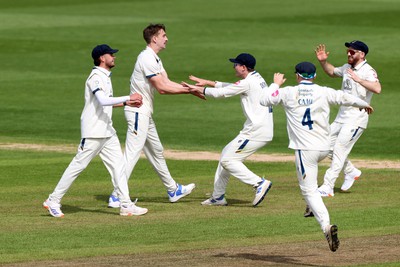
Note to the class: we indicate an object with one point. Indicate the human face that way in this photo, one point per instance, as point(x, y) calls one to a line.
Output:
point(354, 56)
point(240, 70)
point(107, 61)
point(161, 39)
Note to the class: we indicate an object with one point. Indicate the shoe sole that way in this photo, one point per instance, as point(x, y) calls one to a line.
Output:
point(264, 194)
point(334, 237)
point(132, 214)
point(205, 204)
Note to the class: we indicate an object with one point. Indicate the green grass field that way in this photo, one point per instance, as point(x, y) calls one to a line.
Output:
point(45, 51)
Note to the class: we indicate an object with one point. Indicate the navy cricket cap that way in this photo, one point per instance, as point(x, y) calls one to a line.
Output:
point(358, 45)
point(102, 49)
point(306, 70)
point(244, 59)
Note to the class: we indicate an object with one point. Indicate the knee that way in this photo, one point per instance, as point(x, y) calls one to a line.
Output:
point(226, 163)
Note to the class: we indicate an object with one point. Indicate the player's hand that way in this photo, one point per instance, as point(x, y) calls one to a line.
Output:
point(134, 103)
point(279, 78)
point(199, 81)
point(135, 97)
point(195, 90)
point(321, 53)
point(368, 109)
point(352, 75)
point(198, 94)
point(135, 100)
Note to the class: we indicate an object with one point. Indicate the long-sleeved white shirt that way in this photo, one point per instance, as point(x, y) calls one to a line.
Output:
point(96, 117)
point(259, 119)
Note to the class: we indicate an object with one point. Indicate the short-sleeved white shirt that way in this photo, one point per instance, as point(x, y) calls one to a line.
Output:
point(147, 65)
point(307, 108)
point(352, 115)
point(259, 125)
point(96, 120)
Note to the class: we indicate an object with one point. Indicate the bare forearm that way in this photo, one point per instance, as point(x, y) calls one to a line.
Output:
point(328, 68)
point(374, 87)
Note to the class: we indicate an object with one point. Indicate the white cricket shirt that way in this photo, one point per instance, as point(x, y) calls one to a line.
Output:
point(147, 65)
point(96, 120)
point(259, 125)
point(307, 108)
point(352, 115)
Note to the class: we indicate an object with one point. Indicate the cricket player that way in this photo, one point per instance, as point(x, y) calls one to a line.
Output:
point(148, 77)
point(307, 108)
point(361, 80)
point(257, 130)
point(99, 136)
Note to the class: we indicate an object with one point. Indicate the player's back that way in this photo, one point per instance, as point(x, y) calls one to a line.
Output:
point(307, 111)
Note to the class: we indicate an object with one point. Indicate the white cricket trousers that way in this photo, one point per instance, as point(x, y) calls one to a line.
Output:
point(343, 138)
point(231, 163)
point(307, 174)
point(142, 136)
point(109, 150)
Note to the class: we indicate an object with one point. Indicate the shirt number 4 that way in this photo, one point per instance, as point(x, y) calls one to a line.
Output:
point(307, 121)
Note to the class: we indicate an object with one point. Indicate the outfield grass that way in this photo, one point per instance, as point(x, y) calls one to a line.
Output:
point(89, 228)
point(45, 51)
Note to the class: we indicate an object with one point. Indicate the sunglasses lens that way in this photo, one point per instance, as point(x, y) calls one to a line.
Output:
point(351, 52)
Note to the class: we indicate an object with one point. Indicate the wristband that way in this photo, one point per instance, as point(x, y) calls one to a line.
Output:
point(124, 103)
point(204, 90)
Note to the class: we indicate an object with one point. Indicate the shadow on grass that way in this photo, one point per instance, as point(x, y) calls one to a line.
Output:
point(281, 259)
point(76, 209)
point(187, 199)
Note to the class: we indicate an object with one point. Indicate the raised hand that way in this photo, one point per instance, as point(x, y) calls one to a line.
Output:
point(321, 53)
point(279, 78)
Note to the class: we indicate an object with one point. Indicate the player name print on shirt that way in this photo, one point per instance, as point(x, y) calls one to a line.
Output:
point(305, 97)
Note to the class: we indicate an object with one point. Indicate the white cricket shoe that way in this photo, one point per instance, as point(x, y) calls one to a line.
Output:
point(113, 202)
point(325, 191)
point(180, 192)
point(350, 178)
point(261, 190)
point(131, 209)
point(331, 235)
point(53, 208)
point(221, 201)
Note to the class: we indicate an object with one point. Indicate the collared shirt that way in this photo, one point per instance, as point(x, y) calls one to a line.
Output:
point(351, 115)
point(96, 120)
point(147, 65)
point(307, 108)
point(259, 125)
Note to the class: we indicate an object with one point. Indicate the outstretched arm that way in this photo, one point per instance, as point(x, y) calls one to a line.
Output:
point(135, 100)
point(322, 56)
point(166, 86)
point(202, 82)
